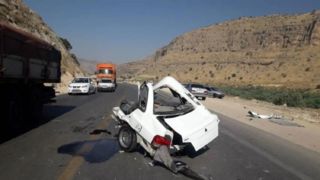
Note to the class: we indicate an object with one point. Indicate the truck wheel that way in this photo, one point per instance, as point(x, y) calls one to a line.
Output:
point(127, 138)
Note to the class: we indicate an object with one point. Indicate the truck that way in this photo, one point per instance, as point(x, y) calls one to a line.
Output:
point(27, 63)
point(106, 73)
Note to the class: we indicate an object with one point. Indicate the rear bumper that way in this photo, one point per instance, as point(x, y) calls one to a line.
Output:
point(78, 90)
point(105, 88)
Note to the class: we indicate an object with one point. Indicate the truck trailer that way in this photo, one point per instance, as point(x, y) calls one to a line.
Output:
point(26, 63)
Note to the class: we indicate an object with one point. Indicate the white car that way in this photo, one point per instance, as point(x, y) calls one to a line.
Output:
point(106, 85)
point(165, 114)
point(81, 85)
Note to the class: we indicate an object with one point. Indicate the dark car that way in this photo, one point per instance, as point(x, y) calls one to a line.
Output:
point(214, 92)
point(198, 90)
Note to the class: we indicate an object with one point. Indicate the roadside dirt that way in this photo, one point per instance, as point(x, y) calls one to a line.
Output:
point(306, 133)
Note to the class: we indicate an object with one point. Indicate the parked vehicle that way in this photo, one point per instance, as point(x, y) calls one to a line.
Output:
point(214, 92)
point(26, 63)
point(198, 90)
point(106, 85)
point(106, 71)
point(166, 114)
point(81, 85)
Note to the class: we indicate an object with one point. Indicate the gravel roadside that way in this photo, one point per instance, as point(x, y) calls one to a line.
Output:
point(299, 126)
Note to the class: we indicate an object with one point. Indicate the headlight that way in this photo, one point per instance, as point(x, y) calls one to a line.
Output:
point(69, 86)
point(84, 86)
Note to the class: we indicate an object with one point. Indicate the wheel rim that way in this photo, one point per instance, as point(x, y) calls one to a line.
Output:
point(125, 138)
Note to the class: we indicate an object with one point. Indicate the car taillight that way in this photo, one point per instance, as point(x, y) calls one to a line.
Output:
point(206, 92)
point(159, 140)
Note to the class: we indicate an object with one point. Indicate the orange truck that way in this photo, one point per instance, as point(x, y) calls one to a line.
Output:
point(106, 71)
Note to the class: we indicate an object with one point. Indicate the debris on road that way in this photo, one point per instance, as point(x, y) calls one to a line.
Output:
point(274, 119)
point(261, 116)
point(163, 157)
point(285, 122)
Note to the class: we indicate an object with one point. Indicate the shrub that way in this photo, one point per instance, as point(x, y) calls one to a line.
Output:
point(293, 98)
point(66, 43)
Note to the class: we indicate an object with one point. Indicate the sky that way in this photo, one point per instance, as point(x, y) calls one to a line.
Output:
point(126, 30)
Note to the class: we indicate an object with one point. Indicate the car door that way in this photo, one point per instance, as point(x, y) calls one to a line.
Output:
point(142, 119)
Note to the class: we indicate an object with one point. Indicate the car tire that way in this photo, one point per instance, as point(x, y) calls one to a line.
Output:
point(203, 98)
point(127, 138)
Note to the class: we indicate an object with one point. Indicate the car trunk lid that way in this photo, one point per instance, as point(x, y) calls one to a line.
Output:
point(198, 127)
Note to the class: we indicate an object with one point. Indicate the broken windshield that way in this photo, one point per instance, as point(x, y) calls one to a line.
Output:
point(168, 102)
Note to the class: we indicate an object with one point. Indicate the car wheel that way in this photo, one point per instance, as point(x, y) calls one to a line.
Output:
point(203, 98)
point(127, 138)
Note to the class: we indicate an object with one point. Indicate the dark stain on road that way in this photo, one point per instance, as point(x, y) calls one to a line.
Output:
point(99, 131)
point(79, 129)
point(93, 151)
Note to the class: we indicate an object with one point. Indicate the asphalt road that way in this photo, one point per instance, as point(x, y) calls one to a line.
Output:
point(65, 148)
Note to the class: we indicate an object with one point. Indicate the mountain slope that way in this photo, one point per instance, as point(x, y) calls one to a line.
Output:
point(277, 50)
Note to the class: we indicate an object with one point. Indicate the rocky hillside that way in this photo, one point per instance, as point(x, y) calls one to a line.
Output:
point(276, 50)
point(18, 14)
point(89, 66)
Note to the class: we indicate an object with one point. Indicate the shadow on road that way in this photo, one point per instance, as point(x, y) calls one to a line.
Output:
point(53, 111)
point(50, 112)
point(94, 151)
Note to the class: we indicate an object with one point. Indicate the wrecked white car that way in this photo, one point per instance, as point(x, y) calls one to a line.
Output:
point(166, 114)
